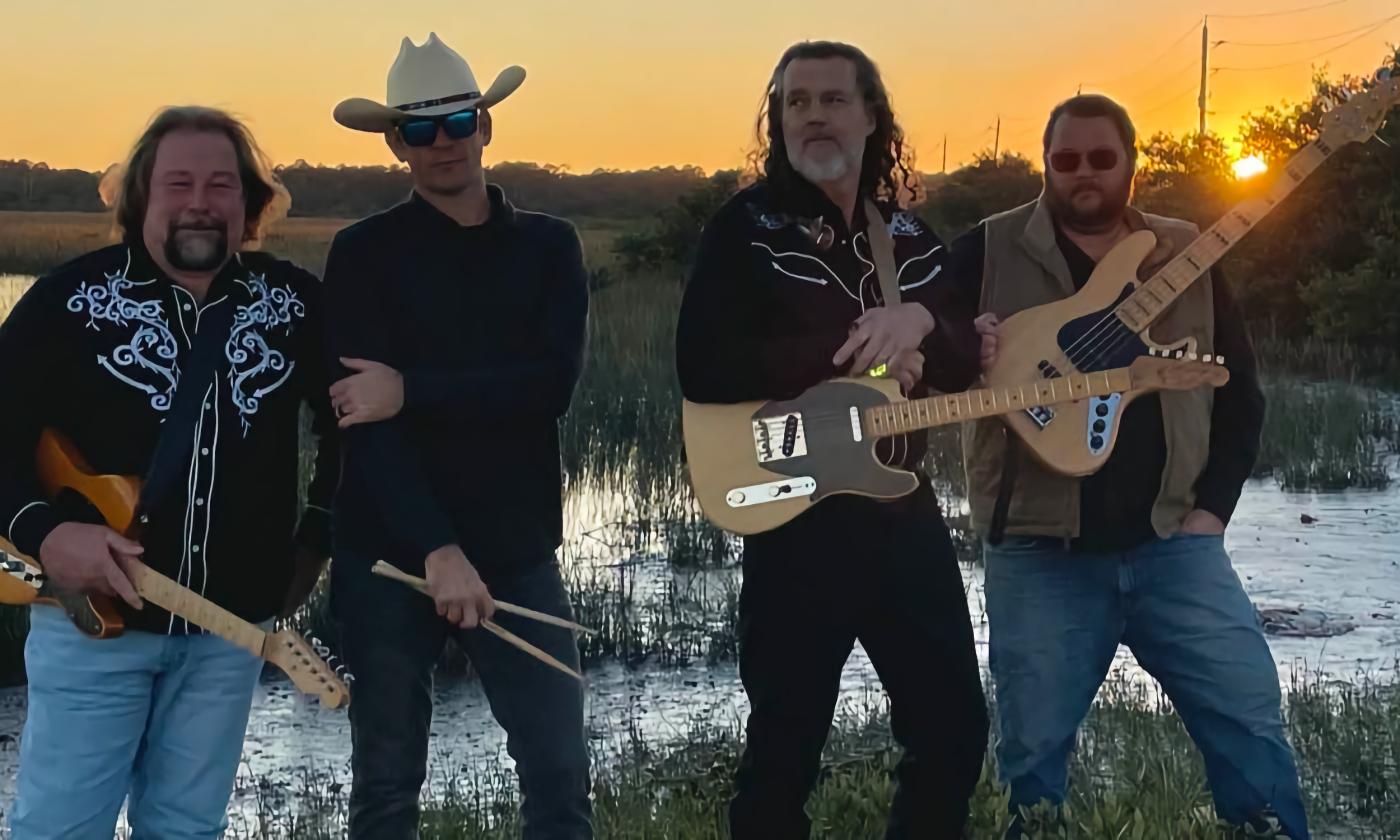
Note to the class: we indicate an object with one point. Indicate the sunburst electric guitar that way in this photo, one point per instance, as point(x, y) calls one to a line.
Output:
point(1106, 323)
point(63, 471)
point(757, 465)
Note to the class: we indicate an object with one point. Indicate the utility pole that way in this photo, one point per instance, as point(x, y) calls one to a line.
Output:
point(996, 145)
point(1205, 71)
point(945, 154)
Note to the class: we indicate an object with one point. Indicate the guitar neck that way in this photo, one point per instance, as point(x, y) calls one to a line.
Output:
point(913, 415)
point(1158, 292)
point(162, 591)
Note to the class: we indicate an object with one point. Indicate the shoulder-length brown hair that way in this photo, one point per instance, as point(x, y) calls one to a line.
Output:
point(887, 167)
point(127, 188)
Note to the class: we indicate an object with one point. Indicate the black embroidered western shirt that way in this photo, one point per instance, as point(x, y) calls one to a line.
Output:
point(772, 297)
point(94, 350)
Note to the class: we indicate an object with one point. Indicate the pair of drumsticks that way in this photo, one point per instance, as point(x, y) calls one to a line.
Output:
point(395, 573)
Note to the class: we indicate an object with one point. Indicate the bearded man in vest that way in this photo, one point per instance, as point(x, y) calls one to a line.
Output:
point(1133, 554)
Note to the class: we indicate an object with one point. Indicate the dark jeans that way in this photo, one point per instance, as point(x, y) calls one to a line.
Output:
point(886, 574)
point(391, 637)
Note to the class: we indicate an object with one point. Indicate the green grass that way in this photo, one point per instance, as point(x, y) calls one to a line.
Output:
point(1326, 437)
point(1135, 774)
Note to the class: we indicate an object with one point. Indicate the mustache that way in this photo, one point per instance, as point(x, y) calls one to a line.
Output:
point(214, 226)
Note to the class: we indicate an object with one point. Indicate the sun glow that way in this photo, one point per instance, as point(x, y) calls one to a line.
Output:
point(1249, 167)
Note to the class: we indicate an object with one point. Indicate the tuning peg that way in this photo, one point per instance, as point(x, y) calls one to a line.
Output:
point(1220, 360)
point(1180, 353)
point(1207, 358)
point(1191, 356)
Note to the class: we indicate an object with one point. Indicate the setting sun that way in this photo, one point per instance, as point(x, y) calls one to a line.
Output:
point(1249, 167)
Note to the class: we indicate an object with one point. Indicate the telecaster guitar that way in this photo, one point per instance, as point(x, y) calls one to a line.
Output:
point(1105, 325)
point(62, 471)
point(757, 465)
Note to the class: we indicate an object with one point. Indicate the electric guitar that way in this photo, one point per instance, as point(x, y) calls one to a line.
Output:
point(1106, 323)
point(756, 465)
point(63, 471)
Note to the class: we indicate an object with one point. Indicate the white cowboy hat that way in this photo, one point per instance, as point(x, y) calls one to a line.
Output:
point(426, 81)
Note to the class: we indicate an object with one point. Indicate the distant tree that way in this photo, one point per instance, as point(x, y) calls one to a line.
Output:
point(957, 202)
point(670, 244)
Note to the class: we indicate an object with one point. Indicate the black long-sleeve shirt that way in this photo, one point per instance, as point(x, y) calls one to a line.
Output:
point(487, 324)
point(94, 350)
point(1116, 502)
point(771, 299)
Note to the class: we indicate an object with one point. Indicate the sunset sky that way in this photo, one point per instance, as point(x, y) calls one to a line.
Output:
point(637, 83)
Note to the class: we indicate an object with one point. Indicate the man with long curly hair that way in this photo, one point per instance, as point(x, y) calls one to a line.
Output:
point(783, 295)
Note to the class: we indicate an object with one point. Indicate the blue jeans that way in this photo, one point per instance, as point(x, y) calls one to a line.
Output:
point(1056, 619)
point(391, 637)
point(158, 718)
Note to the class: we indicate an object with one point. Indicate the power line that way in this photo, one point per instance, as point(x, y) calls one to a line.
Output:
point(1371, 25)
point(1297, 11)
point(1195, 88)
point(1153, 63)
point(1329, 51)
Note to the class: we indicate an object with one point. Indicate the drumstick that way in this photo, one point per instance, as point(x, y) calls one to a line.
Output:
point(394, 572)
point(487, 625)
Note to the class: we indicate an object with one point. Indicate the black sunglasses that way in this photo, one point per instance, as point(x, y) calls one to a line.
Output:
point(1101, 160)
point(423, 131)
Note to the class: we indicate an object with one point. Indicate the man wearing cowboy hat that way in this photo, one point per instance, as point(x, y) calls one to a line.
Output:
point(458, 323)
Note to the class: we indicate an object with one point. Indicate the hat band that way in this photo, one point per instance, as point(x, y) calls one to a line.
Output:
point(446, 100)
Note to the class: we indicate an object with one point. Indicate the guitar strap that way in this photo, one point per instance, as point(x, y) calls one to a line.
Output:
point(882, 248)
point(171, 458)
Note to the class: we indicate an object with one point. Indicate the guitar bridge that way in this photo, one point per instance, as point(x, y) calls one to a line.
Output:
point(779, 438)
point(1042, 415)
point(21, 570)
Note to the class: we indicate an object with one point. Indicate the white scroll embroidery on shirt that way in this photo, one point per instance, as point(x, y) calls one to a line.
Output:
point(256, 369)
point(146, 361)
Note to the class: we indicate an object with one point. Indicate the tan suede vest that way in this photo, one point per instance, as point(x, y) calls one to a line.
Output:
point(1024, 268)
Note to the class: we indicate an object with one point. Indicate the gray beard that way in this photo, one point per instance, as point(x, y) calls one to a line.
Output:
point(196, 253)
point(819, 172)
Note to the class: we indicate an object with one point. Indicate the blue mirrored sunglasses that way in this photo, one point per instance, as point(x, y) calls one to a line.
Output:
point(422, 131)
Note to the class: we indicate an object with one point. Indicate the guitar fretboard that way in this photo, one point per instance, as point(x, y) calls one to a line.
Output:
point(161, 590)
point(1161, 289)
point(904, 417)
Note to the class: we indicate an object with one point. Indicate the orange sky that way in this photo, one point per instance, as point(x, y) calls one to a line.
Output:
point(639, 83)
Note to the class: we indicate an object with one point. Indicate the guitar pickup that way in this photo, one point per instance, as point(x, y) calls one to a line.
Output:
point(779, 438)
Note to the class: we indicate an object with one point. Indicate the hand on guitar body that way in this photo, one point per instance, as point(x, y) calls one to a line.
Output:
point(989, 330)
point(460, 594)
point(89, 560)
point(883, 333)
point(372, 393)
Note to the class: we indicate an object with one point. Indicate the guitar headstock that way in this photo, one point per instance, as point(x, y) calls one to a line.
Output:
point(312, 671)
point(1362, 115)
point(1177, 372)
